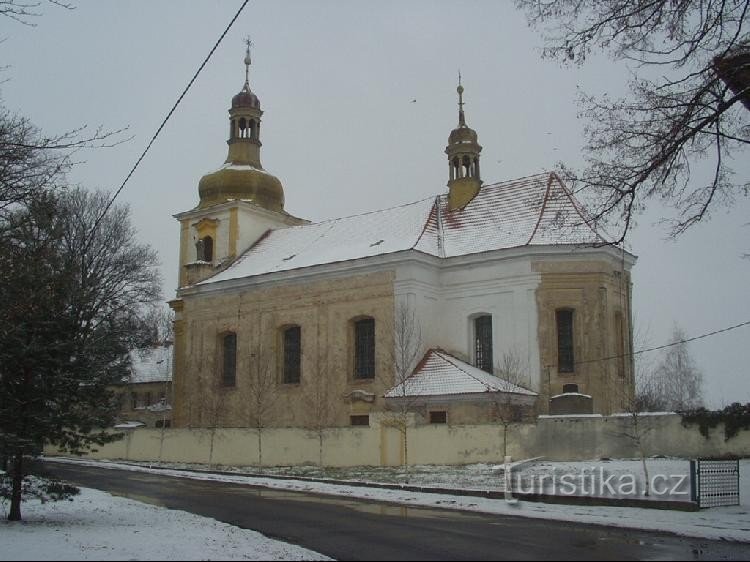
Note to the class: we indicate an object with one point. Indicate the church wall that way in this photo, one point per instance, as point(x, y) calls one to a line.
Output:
point(596, 290)
point(448, 298)
point(324, 310)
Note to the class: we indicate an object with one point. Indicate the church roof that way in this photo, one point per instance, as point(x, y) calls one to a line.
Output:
point(535, 210)
point(152, 364)
point(440, 374)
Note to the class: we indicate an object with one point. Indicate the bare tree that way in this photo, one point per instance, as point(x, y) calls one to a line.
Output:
point(261, 391)
point(24, 11)
point(677, 381)
point(513, 371)
point(406, 352)
point(319, 409)
point(641, 147)
point(638, 425)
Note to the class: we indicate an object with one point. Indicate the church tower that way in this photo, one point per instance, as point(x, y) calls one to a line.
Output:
point(464, 180)
point(238, 203)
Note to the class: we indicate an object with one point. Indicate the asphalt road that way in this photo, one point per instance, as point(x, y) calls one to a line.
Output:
point(351, 529)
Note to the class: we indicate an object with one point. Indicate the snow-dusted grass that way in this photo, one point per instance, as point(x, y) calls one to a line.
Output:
point(98, 526)
point(481, 476)
point(729, 523)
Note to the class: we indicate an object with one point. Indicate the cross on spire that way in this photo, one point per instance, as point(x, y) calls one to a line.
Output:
point(460, 90)
point(248, 44)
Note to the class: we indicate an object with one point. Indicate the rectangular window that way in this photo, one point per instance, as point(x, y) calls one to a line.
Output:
point(364, 349)
point(438, 417)
point(292, 354)
point(229, 372)
point(620, 344)
point(133, 400)
point(147, 400)
point(565, 341)
point(360, 420)
point(483, 343)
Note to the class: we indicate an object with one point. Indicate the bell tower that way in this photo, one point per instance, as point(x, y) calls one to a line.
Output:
point(238, 203)
point(464, 179)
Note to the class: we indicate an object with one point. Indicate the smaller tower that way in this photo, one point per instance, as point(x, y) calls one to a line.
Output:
point(464, 180)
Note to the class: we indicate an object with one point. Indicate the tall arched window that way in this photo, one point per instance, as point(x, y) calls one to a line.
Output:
point(483, 342)
point(292, 346)
point(229, 356)
point(364, 348)
point(565, 340)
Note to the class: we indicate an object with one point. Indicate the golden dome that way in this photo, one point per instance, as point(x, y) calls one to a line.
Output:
point(463, 135)
point(241, 181)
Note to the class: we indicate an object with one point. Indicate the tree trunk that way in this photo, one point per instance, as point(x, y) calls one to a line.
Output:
point(211, 449)
point(260, 450)
point(320, 448)
point(505, 440)
point(15, 499)
point(645, 469)
point(406, 452)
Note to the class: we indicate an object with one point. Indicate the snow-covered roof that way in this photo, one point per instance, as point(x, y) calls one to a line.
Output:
point(535, 210)
point(440, 374)
point(152, 364)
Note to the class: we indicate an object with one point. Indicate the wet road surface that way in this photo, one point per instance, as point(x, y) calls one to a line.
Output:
point(353, 529)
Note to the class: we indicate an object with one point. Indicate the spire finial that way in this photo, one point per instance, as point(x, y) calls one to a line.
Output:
point(460, 90)
point(248, 44)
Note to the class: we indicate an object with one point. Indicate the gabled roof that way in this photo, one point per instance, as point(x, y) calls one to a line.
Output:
point(152, 364)
point(440, 374)
point(536, 210)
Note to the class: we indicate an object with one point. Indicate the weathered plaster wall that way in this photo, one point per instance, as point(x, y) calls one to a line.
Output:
point(324, 310)
point(555, 438)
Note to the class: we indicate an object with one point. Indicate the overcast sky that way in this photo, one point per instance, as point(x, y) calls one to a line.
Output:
point(337, 80)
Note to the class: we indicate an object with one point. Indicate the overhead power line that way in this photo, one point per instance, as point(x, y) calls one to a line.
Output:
point(164, 122)
point(666, 345)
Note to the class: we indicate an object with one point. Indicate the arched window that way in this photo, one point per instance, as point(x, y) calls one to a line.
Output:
point(364, 348)
point(292, 350)
point(565, 340)
point(229, 356)
point(252, 129)
point(483, 342)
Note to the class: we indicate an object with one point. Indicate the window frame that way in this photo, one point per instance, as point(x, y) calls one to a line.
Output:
point(286, 360)
point(482, 359)
point(226, 380)
point(364, 348)
point(565, 339)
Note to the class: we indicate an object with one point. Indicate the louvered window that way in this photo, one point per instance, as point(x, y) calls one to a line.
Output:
point(483, 342)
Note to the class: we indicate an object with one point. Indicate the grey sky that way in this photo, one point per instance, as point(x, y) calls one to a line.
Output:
point(336, 80)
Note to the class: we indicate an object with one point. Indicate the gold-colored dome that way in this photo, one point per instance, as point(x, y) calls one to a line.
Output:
point(238, 181)
point(462, 135)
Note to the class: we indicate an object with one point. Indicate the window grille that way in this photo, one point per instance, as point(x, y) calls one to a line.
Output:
point(364, 349)
point(483, 343)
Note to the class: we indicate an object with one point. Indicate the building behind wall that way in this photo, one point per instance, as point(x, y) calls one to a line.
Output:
point(297, 320)
point(145, 395)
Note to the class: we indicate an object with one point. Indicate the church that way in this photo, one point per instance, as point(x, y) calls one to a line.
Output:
point(484, 294)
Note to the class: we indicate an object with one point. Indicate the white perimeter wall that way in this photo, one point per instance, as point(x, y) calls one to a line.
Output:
point(555, 438)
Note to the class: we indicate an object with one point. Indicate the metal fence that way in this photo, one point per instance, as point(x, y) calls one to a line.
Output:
point(715, 483)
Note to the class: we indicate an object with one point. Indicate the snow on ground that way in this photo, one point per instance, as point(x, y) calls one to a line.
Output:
point(98, 526)
point(727, 523)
